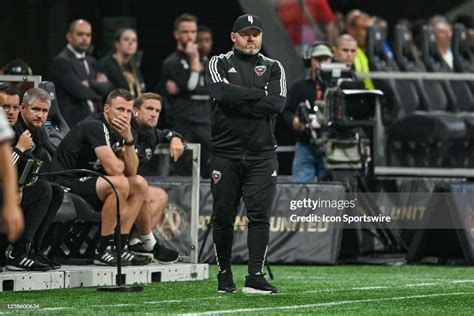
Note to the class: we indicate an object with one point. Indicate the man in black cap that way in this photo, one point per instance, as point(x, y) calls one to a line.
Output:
point(248, 91)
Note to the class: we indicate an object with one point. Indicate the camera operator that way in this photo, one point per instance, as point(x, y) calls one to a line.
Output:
point(308, 161)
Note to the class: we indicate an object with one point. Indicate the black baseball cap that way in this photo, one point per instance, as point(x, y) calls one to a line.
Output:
point(247, 21)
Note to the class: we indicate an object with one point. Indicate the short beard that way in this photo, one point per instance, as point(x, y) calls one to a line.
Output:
point(80, 50)
point(247, 51)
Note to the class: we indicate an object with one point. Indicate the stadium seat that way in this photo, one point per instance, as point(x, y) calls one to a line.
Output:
point(380, 61)
point(424, 133)
point(463, 59)
point(460, 93)
point(56, 126)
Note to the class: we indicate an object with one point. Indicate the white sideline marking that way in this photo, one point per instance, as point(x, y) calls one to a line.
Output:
point(161, 302)
point(462, 281)
point(54, 308)
point(305, 278)
point(113, 305)
point(370, 288)
point(421, 284)
point(334, 303)
point(186, 299)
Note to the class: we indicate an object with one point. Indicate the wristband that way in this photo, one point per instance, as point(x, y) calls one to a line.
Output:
point(128, 142)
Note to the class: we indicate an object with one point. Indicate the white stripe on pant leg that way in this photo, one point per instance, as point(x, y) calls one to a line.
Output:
point(264, 257)
point(217, 258)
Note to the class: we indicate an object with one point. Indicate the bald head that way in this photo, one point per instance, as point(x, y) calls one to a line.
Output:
point(79, 35)
point(345, 49)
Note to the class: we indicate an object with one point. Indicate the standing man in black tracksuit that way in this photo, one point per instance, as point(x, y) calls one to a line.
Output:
point(248, 91)
point(189, 101)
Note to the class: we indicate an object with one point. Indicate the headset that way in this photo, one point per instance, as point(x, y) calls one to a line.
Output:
point(307, 55)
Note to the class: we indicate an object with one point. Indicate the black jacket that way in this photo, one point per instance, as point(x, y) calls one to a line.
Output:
point(38, 151)
point(301, 91)
point(147, 139)
point(67, 72)
point(243, 117)
point(191, 104)
point(114, 72)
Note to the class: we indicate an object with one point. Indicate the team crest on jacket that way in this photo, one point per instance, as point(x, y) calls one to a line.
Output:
point(148, 153)
point(216, 176)
point(260, 70)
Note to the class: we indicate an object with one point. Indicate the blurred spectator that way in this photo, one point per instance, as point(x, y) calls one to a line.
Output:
point(345, 50)
point(444, 33)
point(468, 22)
point(382, 26)
point(189, 101)
point(350, 16)
point(299, 20)
point(121, 68)
point(79, 85)
point(205, 42)
point(357, 26)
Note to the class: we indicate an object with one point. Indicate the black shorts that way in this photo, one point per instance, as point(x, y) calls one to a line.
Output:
point(85, 187)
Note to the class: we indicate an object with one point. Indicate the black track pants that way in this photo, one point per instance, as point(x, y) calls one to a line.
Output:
point(255, 181)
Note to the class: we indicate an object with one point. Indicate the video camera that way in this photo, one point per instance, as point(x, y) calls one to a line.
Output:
point(343, 119)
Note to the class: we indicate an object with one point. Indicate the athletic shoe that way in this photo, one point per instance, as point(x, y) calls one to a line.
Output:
point(107, 258)
point(256, 284)
point(134, 260)
point(164, 255)
point(41, 257)
point(225, 282)
point(159, 253)
point(138, 249)
point(24, 263)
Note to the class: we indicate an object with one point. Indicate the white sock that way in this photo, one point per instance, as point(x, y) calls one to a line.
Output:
point(134, 241)
point(148, 241)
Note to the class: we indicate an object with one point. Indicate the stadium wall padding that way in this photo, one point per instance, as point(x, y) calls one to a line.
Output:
point(303, 243)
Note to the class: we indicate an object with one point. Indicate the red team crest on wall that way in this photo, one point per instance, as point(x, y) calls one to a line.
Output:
point(260, 70)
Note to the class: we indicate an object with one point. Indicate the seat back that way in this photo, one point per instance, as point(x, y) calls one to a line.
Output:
point(404, 51)
point(378, 58)
point(56, 126)
point(463, 60)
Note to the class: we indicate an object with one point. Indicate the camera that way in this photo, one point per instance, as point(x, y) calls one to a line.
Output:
point(343, 121)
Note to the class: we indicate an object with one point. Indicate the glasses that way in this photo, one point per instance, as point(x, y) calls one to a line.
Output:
point(7, 107)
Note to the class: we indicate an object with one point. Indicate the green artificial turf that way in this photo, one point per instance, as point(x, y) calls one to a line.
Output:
point(348, 289)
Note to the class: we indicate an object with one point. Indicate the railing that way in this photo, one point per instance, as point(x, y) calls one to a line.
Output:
point(195, 183)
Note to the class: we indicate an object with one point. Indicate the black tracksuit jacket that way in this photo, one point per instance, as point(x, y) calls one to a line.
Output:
point(243, 117)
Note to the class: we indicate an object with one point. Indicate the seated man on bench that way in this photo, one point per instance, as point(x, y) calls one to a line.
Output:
point(89, 146)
